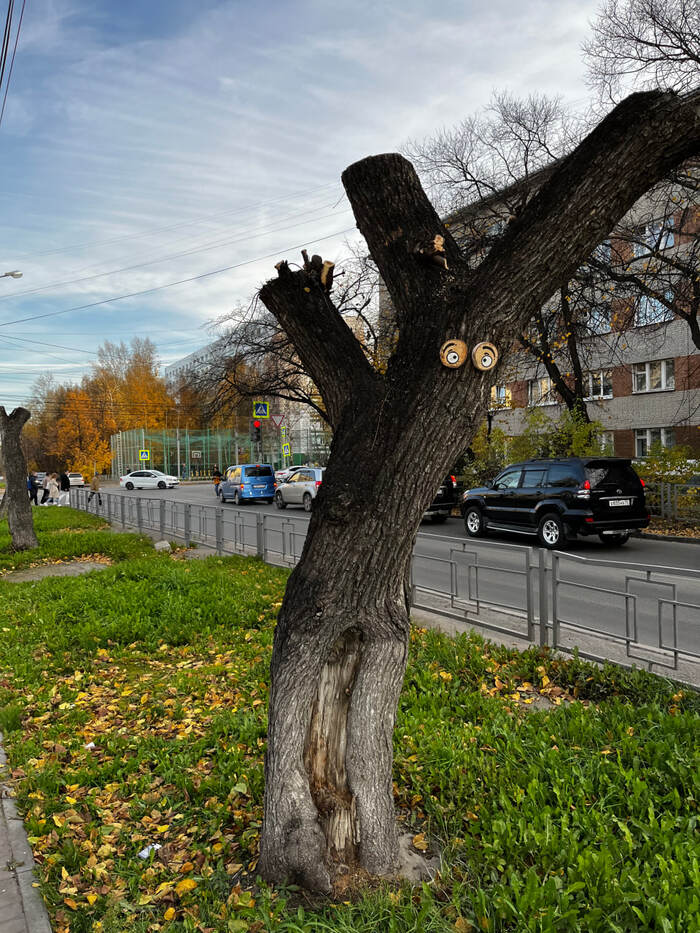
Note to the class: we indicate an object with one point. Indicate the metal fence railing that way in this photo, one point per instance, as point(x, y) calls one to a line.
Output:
point(674, 501)
point(628, 613)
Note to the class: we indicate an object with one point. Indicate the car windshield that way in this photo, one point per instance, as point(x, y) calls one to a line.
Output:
point(258, 471)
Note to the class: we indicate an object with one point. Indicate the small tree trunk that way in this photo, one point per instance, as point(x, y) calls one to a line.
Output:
point(16, 500)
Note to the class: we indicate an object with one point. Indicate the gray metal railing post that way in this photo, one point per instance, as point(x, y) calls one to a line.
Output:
point(555, 606)
point(139, 516)
point(188, 523)
point(122, 506)
point(161, 517)
point(108, 499)
point(544, 602)
point(219, 529)
point(260, 535)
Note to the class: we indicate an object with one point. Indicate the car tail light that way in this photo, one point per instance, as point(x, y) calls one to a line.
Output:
point(589, 520)
point(318, 483)
point(642, 482)
point(584, 491)
point(454, 481)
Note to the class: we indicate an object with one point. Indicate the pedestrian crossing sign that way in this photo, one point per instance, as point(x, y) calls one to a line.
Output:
point(144, 454)
point(286, 450)
point(261, 409)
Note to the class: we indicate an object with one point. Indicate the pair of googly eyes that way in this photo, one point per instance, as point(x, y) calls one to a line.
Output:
point(453, 354)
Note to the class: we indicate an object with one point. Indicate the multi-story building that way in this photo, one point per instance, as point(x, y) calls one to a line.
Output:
point(639, 362)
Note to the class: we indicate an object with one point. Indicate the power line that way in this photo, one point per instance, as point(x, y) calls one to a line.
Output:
point(171, 256)
point(12, 62)
point(156, 288)
point(185, 223)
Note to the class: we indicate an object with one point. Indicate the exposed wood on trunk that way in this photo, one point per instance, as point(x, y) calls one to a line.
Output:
point(17, 504)
point(326, 746)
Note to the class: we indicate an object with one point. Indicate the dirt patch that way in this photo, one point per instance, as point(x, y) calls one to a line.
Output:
point(73, 568)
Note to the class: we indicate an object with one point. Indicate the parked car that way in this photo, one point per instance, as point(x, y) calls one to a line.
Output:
point(559, 499)
point(76, 479)
point(148, 479)
point(445, 500)
point(247, 482)
point(301, 488)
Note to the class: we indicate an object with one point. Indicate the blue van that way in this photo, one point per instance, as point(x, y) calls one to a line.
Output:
point(247, 482)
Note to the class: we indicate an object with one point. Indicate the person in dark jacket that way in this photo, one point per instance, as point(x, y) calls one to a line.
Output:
point(32, 488)
point(64, 487)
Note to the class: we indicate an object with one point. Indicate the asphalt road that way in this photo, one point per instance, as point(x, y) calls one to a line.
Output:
point(637, 550)
point(647, 592)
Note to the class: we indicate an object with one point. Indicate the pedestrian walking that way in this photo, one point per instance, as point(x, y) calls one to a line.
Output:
point(45, 489)
point(95, 490)
point(53, 490)
point(217, 476)
point(64, 486)
point(33, 488)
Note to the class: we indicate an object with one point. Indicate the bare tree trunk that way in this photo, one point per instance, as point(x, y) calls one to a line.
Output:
point(341, 640)
point(19, 508)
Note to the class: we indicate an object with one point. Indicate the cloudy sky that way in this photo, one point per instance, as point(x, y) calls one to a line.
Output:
point(149, 144)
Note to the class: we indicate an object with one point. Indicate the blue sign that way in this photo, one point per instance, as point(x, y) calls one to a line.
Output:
point(144, 454)
point(261, 409)
point(286, 450)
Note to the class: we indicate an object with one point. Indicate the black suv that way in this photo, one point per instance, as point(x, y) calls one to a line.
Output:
point(559, 499)
point(445, 500)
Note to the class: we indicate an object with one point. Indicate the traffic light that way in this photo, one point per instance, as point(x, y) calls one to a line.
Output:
point(255, 426)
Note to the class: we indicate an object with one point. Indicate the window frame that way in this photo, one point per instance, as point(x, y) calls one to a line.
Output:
point(544, 398)
point(668, 384)
point(599, 375)
point(667, 436)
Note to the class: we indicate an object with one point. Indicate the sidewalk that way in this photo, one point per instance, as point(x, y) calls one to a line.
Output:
point(21, 907)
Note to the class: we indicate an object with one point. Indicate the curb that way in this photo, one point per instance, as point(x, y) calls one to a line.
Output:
point(677, 538)
point(21, 908)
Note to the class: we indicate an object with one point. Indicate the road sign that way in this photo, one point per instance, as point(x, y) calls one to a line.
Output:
point(284, 430)
point(261, 409)
point(196, 454)
point(276, 420)
point(286, 450)
point(144, 454)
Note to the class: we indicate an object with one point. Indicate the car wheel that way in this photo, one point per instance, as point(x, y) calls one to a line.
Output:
point(308, 501)
point(161, 485)
point(269, 501)
point(474, 522)
point(236, 498)
point(129, 485)
point(615, 540)
point(438, 518)
point(279, 501)
point(551, 531)
point(223, 498)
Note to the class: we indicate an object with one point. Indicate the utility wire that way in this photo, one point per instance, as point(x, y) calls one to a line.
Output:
point(157, 288)
point(171, 256)
point(6, 40)
point(186, 223)
point(12, 62)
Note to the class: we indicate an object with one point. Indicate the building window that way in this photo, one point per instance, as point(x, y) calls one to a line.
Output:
point(652, 311)
point(540, 392)
point(598, 385)
point(500, 397)
point(656, 376)
point(645, 437)
point(656, 235)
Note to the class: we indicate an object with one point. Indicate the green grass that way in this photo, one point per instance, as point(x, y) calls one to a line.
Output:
point(65, 534)
point(583, 817)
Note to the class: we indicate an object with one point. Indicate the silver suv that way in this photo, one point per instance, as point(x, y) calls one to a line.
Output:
point(300, 488)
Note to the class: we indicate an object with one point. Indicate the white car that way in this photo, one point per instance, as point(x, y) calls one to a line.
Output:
point(281, 476)
point(76, 479)
point(148, 479)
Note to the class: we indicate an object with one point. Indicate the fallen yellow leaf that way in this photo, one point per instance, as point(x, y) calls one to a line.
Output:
point(169, 913)
point(187, 884)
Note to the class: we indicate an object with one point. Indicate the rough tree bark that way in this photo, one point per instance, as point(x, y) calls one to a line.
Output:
point(341, 640)
point(16, 501)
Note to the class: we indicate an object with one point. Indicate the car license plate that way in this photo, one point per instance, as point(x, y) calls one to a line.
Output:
point(259, 487)
point(620, 502)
